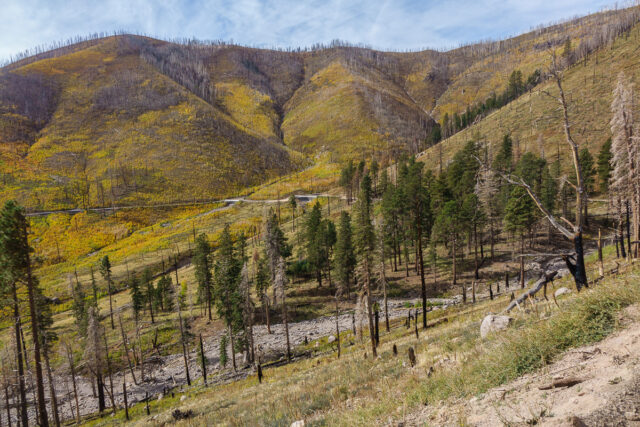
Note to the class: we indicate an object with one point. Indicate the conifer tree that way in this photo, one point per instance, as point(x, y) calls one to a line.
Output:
point(149, 291)
point(204, 277)
point(420, 220)
point(314, 242)
point(105, 271)
point(94, 353)
point(227, 296)
point(275, 245)
point(79, 305)
point(137, 298)
point(15, 264)
point(364, 249)
point(604, 166)
point(293, 204)
point(345, 260)
point(262, 284)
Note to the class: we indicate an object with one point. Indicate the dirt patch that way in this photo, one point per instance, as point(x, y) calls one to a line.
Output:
point(607, 393)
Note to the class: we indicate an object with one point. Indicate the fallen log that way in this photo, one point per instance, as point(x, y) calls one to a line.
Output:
point(541, 283)
point(562, 382)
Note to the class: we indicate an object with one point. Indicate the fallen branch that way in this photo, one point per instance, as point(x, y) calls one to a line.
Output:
point(546, 278)
point(562, 382)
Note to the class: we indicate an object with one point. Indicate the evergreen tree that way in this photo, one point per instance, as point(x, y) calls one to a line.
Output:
point(604, 166)
point(137, 297)
point(293, 204)
point(262, 284)
point(105, 271)
point(446, 229)
point(94, 353)
point(15, 266)
point(364, 248)
point(314, 242)
point(504, 159)
point(227, 296)
point(329, 238)
point(78, 306)
point(420, 220)
point(149, 291)
point(275, 245)
point(345, 260)
point(346, 180)
point(202, 265)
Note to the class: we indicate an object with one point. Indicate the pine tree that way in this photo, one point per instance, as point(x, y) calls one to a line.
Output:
point(149, 291)
point(204, 277)
point(105, 271)
point(365, 241)
point(447, 229)
point(603, 166)
point(79, 305)
point(346, 180)
point(137, 298)
point(313, 242)
point(15, 264)
point(262, 284)
point(293, 204)
point(420, 220)
point(94, 353)
point(275, 245)
point(345, 260)
point(227, 296)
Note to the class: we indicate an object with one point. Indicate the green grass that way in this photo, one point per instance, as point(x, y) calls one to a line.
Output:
point(357, 391)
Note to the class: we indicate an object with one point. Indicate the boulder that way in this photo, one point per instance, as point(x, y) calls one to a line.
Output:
point(493, 323)
point(183, 398)
point(562, 291)
point(331, 339)
point(299, 423)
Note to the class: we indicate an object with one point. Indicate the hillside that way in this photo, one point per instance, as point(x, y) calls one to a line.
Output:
point(127, 119)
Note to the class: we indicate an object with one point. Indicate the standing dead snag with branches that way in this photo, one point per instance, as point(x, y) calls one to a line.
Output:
point(575, 263)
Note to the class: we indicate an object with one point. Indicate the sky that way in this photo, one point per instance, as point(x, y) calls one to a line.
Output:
point(381, 24)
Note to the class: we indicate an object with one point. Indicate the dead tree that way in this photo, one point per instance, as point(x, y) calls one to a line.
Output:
point(541, 283)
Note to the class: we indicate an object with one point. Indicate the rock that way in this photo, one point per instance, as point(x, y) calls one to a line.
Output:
point(577, 422)
point(493, 323)
point(631, 416)
point(183, 398)
point(561, 291)
point(317, 344)
point(299, 423)
point(160, 396)
point(331, 339)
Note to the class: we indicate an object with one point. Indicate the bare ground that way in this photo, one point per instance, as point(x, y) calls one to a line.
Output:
point(607, 392)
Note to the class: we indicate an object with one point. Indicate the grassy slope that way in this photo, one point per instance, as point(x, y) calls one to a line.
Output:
point(535, 116)
point(352, 391)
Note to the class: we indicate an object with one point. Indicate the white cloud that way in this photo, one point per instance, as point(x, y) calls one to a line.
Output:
point(389, 24)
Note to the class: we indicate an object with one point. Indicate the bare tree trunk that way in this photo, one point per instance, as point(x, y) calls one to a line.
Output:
point(369, 308)
point(233, 349)
point(35, 330)
point(126, 351)
point(265, 301)
point(106, 352)
point(337, 325)
point(52, 389)
point(600, 262)
point(72, 370)
point(19, 358)
point(286, 324)
point(522, 261)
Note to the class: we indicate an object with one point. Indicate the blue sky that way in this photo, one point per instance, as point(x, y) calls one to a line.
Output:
point(397, 25)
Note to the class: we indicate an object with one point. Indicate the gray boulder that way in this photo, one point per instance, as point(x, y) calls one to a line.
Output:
point(562, 291)
point(493, 323)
